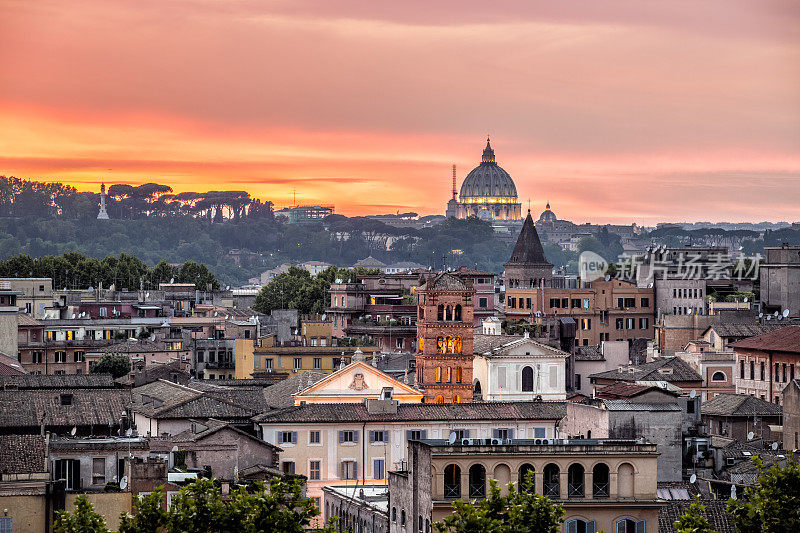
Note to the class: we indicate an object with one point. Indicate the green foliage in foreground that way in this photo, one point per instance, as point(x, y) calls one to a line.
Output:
point(693, 520)
point(519, 511)
point(199, 508)
point(773, 504)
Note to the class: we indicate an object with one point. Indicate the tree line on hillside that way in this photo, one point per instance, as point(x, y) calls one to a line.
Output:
point(20, 197)
point(74, 270)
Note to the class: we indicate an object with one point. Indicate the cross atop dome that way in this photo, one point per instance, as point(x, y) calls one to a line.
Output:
point(488, 153)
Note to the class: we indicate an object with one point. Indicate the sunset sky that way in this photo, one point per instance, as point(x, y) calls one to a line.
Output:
point(614, 111)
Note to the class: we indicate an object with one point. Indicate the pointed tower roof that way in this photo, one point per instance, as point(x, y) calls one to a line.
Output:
point(528, 248)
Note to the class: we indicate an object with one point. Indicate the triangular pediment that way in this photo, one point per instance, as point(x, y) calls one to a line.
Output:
point(357, 379)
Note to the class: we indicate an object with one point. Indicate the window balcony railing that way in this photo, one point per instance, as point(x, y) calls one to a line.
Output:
point(551, 489)
point(575, 490)
point(600, 490)
point(477, 490)
point(452, 491)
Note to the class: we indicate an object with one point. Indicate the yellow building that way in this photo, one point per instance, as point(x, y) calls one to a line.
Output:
point(294, 359)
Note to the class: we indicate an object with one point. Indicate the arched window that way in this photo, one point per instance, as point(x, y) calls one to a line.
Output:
point(440, 345)
point(526, 478)
point(448, 375)
point(456, 399)
point(457, 316)
point(627, 525)
point(427, 526)
point(440, 313)
point(477, 481)
point(458, 374)
point(600, 480)
point(448, 313)
point(476, 389)
point(438, 374)
point(457, 345)
point(551, 484)
point(394, 514)
point(449, 344)
point(439, 399)
point(527, 379)
point(579, 525)
point(419, 523)
point(403, 517)
point(452, 482)
point(575, 485)
point(719, 376)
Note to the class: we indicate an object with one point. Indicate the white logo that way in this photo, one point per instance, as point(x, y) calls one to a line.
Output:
point(592, 266)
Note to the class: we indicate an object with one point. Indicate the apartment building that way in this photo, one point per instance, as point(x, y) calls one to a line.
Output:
point(603, 484)
point(351, 444)
point(767, 363)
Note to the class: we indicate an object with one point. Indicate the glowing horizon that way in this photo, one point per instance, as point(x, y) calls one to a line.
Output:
point(614, 112)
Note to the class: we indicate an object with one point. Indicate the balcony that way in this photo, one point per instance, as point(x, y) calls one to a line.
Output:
point(600, 490)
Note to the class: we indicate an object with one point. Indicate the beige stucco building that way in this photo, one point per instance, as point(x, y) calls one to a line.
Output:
point(607, 485)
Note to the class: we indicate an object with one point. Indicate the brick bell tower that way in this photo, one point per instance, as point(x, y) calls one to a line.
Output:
point(444, 339)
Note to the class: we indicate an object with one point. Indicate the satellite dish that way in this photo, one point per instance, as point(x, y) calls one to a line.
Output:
point(750, 435)
point(452, 438)
point(785, 313)
point(760, 315)
point(693, 478)
point(776, 313)
point(745, 299)
point(91, 289)
point(693, 394)
point(172, 280)
point(129, 432)
point(123, 483)
point(769, 317)
point(733, 492)
point(608, 278)
point(650, 285)
point(774, 446)
point(175, 448)
point(73, 431)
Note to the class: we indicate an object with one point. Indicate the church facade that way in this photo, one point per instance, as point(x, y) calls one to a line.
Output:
point(488, 192)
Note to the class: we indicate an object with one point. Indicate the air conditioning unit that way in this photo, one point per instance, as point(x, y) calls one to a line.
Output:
point(496, 441)
point(466, 442)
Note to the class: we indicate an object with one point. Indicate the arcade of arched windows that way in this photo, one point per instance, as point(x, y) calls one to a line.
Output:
point(556, 479)
point(448, 344)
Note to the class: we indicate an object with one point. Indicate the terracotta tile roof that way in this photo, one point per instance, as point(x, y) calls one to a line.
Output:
point(164, 399)
point(715, 512)
point(280, 394)
point(88, 407)
point(25, 319)
point(785, 339)
point(9, 366)
point(588, 353)
point(138, 346)
point(419, 412)
point(671, 369)
point(743, 330)
point(64, 381)
point(485, 343)
point(445, 282)
point(206, 428)
point(23, 454)
point(628, 405)
point(622, 389)
point(739, 405)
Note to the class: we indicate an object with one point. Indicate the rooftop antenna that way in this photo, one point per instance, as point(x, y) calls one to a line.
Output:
point(454, 182)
